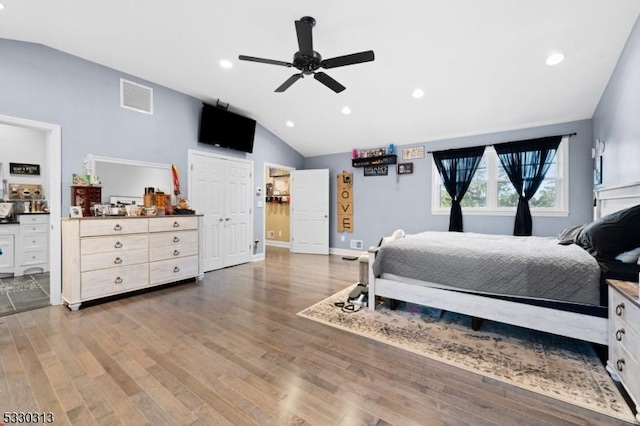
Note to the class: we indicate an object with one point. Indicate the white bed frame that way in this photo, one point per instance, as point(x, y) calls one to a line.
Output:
point(570, 324)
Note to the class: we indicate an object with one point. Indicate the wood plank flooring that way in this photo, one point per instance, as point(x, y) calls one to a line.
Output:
point(230, 350)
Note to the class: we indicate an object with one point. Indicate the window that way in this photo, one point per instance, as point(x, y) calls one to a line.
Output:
point(491, 191)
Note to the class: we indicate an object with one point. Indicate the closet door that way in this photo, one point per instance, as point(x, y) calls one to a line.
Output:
point(220, 190)
point(237, 226)
point(207, 195)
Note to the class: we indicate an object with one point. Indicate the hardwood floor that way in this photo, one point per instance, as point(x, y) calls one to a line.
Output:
point(230, 350)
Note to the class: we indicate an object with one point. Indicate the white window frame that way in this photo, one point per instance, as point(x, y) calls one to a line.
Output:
point(492, 209)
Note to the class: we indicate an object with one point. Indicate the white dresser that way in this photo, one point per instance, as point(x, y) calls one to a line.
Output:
point(107, 256)
point(33, 255)
point(624, 337)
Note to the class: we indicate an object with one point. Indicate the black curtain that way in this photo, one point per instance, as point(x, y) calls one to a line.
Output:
point(526, 163)
point(457, 167)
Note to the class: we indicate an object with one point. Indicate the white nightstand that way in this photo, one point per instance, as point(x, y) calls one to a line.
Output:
point(624, 337)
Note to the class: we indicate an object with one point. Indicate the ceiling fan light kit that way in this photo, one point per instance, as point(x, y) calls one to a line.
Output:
point(308, 61)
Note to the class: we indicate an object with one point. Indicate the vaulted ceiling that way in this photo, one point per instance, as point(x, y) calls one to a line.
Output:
point(480, 63)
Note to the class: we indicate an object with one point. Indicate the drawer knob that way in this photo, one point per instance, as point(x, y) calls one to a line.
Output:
point(117, 227)
point(176, 252)
point(118, 280)
point(619, 334)
point(620, 364)
point(176, 224)
point(117, 261)
point(176, 269)
point(620, 309)
point(118, 244)
point(34, 241)
point(176, 239)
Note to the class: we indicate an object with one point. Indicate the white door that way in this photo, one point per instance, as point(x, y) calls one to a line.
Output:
point(310, 211)
point(220, 190)
point(237, 237)
point(207, 196)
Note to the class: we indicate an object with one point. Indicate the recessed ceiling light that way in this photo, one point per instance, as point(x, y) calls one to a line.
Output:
point(226, 64)
point(1, 6)
point(418, 93)
point(555, 59)
point(346, 110)
point(290, 124)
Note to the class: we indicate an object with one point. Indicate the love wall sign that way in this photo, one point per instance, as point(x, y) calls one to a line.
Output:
point(345, 202)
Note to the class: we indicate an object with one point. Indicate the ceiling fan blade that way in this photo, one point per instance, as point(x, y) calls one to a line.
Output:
point(305, 38)
point(264, 61)
point(354, 58)
point(329, 82)
point(284, 86)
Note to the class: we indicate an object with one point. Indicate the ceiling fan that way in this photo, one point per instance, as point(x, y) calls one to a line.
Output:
point(308, 61)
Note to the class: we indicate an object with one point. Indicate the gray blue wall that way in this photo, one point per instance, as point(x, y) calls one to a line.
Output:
point(44, 84)
point(616, 120)
point(385, 203)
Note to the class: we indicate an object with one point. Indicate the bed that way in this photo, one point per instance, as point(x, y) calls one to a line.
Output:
point(531, 282)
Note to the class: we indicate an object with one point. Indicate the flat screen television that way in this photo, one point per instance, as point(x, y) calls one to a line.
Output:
point(222, 128)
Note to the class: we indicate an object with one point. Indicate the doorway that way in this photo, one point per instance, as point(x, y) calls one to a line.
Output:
point(277, 205)
point(53, 146)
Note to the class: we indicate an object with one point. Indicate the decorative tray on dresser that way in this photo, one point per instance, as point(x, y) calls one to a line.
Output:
point(624, 337)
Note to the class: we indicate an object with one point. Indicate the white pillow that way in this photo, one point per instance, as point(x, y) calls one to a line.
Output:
point(629, 256)
point(397, 234)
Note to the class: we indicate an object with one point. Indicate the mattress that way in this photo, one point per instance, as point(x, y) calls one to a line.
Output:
point(532, 267)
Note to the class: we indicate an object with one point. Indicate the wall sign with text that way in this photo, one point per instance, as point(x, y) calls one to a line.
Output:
point(345, 202)
point(24, 169)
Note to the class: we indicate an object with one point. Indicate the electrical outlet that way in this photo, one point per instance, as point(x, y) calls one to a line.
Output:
point(343, 238)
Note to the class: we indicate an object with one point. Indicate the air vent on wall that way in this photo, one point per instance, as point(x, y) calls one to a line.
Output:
point(136, 96)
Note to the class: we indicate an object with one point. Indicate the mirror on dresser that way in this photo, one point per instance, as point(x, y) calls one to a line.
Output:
point(125, 180)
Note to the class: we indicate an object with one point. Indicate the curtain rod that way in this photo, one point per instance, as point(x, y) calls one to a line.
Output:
point(568, 135)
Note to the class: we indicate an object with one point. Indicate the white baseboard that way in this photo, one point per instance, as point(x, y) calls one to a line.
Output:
point(345, 252)
point(273, 243)
point(258, 257)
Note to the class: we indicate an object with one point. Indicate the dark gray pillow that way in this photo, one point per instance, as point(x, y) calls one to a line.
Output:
point(612, 234)
point(568, 236)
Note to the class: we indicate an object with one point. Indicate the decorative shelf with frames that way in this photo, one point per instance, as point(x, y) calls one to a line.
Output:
point(375, 161)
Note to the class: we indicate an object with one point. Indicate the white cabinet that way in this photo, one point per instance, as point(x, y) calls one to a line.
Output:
point(34, 243)
point(624, 337)
point(103, 257)
point(8, 234)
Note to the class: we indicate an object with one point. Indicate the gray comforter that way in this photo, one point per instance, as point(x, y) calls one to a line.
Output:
point(535, 267)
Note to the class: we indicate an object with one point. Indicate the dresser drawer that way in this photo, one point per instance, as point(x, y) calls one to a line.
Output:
point(166, 271)
point(31, 219)
point(173, 223)
point(34, 242)
point(90, 262)
point(626, 367)
point(121, 243)
point(33, 257)
point(623, 310)
point(164, 252)
point(106, 282)
point(173, 239)
point(95, 227)
point(622, 334)
point(35, 228)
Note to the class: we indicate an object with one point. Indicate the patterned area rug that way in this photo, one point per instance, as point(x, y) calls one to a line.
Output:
point(558, 367)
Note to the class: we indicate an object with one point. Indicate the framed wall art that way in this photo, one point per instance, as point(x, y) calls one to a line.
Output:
point(405, 168)
point(412, 153)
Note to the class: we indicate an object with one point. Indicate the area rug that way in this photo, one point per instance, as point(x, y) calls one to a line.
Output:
point(558, 367)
